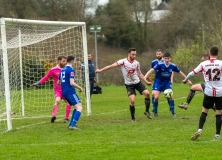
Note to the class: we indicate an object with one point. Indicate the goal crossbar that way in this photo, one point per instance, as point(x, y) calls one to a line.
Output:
point(17, 42)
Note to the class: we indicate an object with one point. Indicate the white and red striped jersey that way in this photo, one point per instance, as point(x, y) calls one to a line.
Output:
point(212, 76)
point(129, 70)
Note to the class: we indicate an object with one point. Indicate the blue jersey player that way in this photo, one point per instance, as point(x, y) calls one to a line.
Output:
point(159, 59)
point(69, 92)
point(162, 80)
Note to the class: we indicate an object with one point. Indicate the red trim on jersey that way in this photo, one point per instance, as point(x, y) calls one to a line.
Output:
point(214, 92)
point(129, 60)
point(137, 66)
point(212, 60)
point(202, 69)
point(119, 64)
point(194, 72)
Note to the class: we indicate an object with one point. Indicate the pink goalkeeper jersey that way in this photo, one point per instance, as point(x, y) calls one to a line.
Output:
point(54, 73)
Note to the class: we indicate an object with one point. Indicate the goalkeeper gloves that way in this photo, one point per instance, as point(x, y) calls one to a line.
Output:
point(36, 83)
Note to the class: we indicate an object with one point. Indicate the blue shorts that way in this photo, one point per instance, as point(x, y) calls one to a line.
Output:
point(72, 98)
point(161, 85)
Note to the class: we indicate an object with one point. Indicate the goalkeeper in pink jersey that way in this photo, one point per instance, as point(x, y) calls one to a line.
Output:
point(54, 73)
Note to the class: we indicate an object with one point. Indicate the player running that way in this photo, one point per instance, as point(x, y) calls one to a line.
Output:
point(132, 75)
point(54, 73)
point(66, 80)
point(162, 80)
point(211, 70)
point(196, 87)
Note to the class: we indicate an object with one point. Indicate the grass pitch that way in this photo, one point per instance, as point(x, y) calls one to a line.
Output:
point(109, 133)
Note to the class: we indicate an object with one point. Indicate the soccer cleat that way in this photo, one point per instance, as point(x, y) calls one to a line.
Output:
point(216, 138)
point(148, 115)
point(183, 106)
point(66, 120)
point(133, 120)
point(53, 119)
point(155, 114)
point(73, 128)
point(196, 135)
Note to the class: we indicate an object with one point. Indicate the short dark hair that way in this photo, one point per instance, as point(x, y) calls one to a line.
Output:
point(61, 57)
point(158, 50)
point(70, 58)
point(131, 49)
point(206, 56)
point(166, 54)
point(214, 51)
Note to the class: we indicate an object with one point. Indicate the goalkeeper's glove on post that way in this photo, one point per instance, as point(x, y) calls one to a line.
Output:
point(36, 83)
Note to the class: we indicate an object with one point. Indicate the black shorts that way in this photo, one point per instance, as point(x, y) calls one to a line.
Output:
point(203, 87)
point(131, 89)
point(209, 102)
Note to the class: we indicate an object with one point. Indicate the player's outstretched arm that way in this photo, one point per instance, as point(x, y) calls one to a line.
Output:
point(171, 78)
point(72, 83)
point(107, 67)
point(43, 79)
point(186, 78)
point(142, 77)
point(148, 74)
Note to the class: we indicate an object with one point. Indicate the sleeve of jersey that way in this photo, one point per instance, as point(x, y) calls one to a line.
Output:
point(152, 65)
point(120, 62)
point(138, 66)
point(47, 76)
point(176, 69)
point(198, 69)
point(191, 74)
point(156, 67)
point(71, 74)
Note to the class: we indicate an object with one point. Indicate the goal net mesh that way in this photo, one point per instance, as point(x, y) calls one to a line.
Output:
point(32, 49)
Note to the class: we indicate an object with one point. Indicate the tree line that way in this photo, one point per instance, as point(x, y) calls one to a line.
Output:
point(188, 31)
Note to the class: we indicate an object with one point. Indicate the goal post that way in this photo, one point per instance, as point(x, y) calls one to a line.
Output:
point(29, 48)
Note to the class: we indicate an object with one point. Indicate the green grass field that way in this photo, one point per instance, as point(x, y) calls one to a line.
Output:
point(109, 133)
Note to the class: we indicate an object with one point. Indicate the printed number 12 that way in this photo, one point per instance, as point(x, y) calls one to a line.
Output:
point(63, 76)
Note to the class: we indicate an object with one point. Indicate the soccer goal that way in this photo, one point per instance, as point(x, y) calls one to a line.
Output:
point(29, 48)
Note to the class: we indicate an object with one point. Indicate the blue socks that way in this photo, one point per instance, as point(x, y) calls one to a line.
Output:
point(155, 107)
point(75, 117)
point(152, 100)
point(168, 103)
point(171, 103)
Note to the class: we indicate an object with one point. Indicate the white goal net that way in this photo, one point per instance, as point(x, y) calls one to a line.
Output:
point(28, 49)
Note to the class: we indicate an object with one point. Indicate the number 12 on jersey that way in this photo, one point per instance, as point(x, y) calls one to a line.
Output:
point(216, 73)
point(62, 76)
